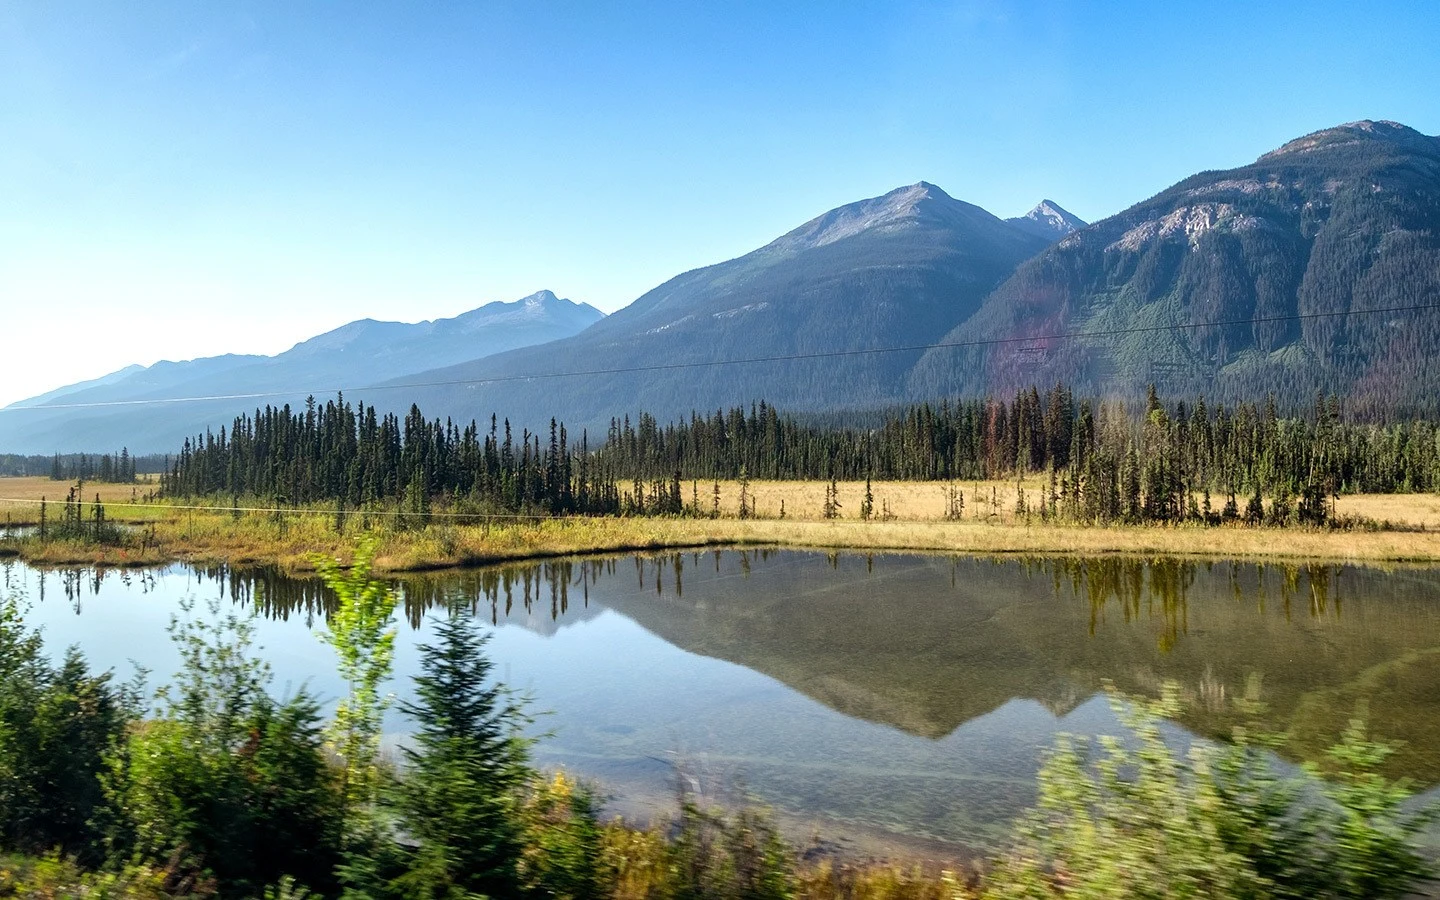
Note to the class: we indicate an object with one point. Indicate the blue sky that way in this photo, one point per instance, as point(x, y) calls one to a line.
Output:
point(185, 179)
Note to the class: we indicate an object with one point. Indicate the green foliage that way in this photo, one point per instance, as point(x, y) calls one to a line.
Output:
point(56, 723)
point(1369, 851)
point(223, 779)
point(458, 796)
point(1141, 822)
point(1143, 825)
point(361, 631)
point(706, 855)
point(54, 876)
point(564, 841)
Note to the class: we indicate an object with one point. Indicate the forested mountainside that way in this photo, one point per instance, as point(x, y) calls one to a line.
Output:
point(1340, 221)
point(359, 353)
point(1239, 284)
point(900, 269)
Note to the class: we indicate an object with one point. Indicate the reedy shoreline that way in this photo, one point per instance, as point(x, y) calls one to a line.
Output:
point(295, 541)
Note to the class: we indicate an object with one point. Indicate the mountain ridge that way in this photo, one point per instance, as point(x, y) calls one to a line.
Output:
point(899, 268)
point(1049, 220)
point(355, 354)
point(1343, 219)
point(1337, 221)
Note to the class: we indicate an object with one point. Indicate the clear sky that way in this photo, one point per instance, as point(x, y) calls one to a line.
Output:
point(192, 178)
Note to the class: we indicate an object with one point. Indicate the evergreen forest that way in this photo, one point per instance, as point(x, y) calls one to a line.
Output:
point(1160, 461)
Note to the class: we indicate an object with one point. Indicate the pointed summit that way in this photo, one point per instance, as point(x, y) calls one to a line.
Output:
point(1048, 220)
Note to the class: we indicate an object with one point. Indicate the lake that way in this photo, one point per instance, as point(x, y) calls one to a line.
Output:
point(890, 703)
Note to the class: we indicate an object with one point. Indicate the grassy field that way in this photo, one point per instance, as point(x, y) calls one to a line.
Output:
point(34, 488)
point(295, 540)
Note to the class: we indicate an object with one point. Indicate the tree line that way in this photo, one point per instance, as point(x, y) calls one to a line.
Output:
point(358, 457)
point(1107, 461)
point(115, 468)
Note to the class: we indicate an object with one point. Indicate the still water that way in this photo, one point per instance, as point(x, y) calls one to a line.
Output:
point(889, 702)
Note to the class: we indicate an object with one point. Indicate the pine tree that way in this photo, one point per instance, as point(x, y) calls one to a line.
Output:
point(459, 795)
point(1255, 509)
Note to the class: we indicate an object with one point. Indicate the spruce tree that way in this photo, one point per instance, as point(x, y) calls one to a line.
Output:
point(460, 793)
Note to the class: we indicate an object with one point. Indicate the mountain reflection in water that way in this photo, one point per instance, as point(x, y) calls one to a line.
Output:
point(901, 692)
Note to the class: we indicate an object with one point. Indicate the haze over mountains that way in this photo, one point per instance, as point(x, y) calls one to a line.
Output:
point(358, 353)
point(895, 270)
point(1345, 219)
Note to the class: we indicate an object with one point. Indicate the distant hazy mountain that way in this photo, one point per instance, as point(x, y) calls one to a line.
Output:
point(1048, 220)
point(354, 355)
point(1344, 219)
point(51, 396)
point(900, 269)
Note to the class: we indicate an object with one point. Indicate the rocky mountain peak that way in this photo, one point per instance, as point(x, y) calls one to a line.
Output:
point(897, 209)
point(1048, 220)
point(1355, 134)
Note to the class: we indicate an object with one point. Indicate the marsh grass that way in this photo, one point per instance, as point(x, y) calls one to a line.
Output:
point(909, 516)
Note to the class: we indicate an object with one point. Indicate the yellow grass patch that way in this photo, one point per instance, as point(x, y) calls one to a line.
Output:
point(1398, 509)
point(20, 496)
point(294, 540)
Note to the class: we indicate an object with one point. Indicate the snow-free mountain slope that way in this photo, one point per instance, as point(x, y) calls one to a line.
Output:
point(900, 269)
point(1343, 220)
point(354, 355)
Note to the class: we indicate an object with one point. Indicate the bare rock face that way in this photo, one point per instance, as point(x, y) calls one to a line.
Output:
point(1048, 220)
point(1264, 279)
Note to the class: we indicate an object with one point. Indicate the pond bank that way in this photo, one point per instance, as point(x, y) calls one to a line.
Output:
point(294, 542)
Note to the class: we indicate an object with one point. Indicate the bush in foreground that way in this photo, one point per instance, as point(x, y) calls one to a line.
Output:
point(223, 790)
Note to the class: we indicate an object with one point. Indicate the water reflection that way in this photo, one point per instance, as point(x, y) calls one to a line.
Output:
point(903, 693)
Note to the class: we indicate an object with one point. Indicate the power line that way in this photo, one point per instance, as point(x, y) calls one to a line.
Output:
point(750, 360)
point(361, 511)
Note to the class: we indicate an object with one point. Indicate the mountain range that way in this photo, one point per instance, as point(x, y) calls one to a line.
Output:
point(1286, 253)
point(359, 353)
point(895, 270)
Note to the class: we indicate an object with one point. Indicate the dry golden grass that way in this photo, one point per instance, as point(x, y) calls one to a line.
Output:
point(908, 500)
point(23, 494)
point(996, 500)
point(1418, 510)
point(296, 540)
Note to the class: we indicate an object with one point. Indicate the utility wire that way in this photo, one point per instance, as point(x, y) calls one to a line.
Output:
point(793, 357)
point(360, 511)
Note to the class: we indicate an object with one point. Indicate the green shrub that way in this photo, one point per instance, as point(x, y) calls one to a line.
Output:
point(1142, 822)
point(224, 779)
